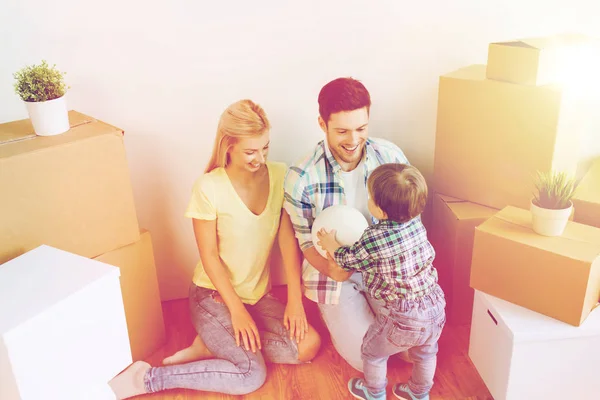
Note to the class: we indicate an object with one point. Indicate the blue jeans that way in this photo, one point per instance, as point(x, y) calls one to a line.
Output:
point(234, 370)
point(413, 325)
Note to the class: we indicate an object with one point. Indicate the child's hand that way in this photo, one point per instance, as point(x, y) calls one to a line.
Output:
point(327, 241)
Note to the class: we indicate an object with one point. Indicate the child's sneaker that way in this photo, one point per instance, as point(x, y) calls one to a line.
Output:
point(402, 391)
point(357, 388)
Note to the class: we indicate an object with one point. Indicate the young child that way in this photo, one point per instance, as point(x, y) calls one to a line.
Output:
point(396, 261)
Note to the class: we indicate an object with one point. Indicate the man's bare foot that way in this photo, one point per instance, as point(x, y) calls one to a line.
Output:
point(197, 351)
point(130, 382)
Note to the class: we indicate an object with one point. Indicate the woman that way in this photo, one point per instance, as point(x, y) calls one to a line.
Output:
point(236, 209)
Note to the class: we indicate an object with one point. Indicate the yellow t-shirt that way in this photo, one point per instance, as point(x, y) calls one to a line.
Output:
point(244, 238)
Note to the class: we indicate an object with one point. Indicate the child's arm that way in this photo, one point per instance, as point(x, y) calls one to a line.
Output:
point(349, 258)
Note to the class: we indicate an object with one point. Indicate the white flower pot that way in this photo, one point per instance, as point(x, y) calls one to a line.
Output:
point(549, 222)
point(49, 117)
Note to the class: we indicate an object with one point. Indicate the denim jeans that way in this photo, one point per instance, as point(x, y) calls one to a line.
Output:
point(234, 370)
point(349, 320)
point(413, 325)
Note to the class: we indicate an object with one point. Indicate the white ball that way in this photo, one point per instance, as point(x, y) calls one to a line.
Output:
point(348, 222)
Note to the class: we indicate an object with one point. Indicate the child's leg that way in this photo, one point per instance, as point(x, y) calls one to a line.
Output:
point(424, 356)
point(425, 362)
point(376, 350)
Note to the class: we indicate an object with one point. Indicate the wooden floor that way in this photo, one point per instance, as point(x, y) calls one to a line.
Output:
point(326, 377)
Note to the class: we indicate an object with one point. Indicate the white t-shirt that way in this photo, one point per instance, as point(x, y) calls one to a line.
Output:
point(355, 190)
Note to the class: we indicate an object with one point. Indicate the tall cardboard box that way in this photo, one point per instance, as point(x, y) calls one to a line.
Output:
point(71, 191)
point(521, 354)
point(493, 136)
point(63, 333)
point(555, 276)
point(452, 233)
point(586, 201)
point(141, 297)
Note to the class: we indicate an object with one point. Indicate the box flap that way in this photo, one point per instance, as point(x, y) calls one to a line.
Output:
point(23, 129)
point(578, 242)
point(475, 72)
point(547, 42)
point(589, 187)
point(527, 325)
point(464, 210)
point(515, 43)
point(82, 127)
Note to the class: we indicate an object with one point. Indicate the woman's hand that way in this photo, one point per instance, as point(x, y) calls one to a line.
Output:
point(244, 327)
point(294, 319)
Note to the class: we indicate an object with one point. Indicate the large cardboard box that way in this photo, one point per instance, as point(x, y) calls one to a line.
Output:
point(586, 202)
point(71, 191)
point(521, 354)
point(493, 136)
point(63, 333)
point(141, 297)
point(452, 232)
point(555, 276)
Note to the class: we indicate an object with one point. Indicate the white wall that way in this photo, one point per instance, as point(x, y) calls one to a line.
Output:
point(165, 74)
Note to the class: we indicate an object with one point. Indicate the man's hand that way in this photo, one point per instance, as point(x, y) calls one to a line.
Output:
point(294, 319)
point(336, 272)
point(327, 241)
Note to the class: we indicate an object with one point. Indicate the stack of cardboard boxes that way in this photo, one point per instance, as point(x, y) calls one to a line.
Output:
point(73, 192)
point(498, 124)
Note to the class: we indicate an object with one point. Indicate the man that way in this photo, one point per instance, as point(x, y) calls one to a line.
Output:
point(336, 172)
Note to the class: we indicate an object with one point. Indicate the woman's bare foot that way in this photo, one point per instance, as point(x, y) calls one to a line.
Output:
point(197, 351)
point(130, 382)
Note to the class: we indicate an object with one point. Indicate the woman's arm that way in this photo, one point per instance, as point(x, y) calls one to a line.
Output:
point(295, 317)
point(243, 324)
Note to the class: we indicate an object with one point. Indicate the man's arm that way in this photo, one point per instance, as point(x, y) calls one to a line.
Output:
point(298, 205)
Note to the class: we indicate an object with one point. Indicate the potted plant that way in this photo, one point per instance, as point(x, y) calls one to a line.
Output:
point(551, 206)
point(43, 90)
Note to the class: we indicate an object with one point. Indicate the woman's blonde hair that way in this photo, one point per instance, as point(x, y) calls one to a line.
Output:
point(243, 118)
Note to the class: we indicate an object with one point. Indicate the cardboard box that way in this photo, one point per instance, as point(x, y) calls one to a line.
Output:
point(493, 136)
point(141, 297)
point(70, 191)
point(533, 61)
point(452, 233)
point(555, 276)
point(586, 201)
point(62, 326)
point(521, 354)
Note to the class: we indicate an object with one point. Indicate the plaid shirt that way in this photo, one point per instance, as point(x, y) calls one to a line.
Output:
point(314, 184)
point(395, 259)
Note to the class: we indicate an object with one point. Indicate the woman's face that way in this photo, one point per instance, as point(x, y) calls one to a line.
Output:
point(249, 154)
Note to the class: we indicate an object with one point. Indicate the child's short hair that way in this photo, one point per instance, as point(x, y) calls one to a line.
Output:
point(399, 190)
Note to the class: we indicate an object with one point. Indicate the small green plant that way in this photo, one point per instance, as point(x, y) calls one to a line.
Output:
point(554, 190)
point(37, 83)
